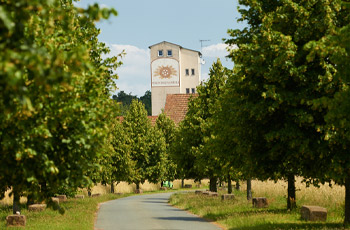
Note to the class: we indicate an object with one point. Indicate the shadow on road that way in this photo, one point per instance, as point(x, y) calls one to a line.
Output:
point(156, 198)
point(180, 218)
point(156, 202)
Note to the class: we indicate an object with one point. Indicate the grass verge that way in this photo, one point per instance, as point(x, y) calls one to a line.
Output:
point(239, 213)
point(80, 214)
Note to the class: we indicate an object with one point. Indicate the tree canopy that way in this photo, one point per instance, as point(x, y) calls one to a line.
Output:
point(147, 145)
point(193, 150)
point(126, 99)
point(270, 94)
point(54, 89)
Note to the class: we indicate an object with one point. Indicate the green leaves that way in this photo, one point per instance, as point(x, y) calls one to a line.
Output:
point(95, 13)
point(6, 19)
point(276, 106)
point(54, 94)
point(193, 149)
point(166, 127)
point(146, 143)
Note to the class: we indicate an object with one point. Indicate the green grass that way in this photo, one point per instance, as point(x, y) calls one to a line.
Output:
point(79, 214)
point(239, 213)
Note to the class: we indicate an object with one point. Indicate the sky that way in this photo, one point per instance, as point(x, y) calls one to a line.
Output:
point(142, 23)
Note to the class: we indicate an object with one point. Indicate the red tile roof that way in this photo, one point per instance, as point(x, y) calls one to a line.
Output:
point(176, 106)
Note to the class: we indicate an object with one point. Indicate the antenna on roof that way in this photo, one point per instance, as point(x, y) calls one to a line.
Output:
point(201, 41)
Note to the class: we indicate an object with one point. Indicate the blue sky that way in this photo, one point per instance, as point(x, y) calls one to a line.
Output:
point(142, 23)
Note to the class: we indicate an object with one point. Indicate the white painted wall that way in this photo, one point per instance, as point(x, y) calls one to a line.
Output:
point(186, 59)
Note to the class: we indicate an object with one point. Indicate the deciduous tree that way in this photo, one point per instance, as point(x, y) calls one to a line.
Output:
point(195, 150)
point(54, 90)
point(167, 127)
point(274, 83)
point(332, 53)
point(147, 145)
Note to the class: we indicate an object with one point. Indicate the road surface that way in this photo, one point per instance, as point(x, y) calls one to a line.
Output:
point(146, 212)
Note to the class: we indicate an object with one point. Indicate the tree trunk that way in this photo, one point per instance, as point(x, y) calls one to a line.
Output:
point(16, 204)
point(89, 192)
point(212, 184)
point(137, 185)
point(229, 184)
point(291, 200)
point(112, 186)
point(249, 189)
point(182, 183)
point(238, 186)
point(347, 200)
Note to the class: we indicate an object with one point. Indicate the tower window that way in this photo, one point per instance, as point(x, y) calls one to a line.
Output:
point(187, 90)
point(170, 53)
point(192, 71)
point(160, 53)
point(187, 72)
point(193, 90)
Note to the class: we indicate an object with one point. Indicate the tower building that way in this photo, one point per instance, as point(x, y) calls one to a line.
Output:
point(174, 70)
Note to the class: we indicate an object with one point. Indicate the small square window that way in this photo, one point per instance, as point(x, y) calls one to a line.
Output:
point(192, 71)
point(187, 72)
point(170, 53)
point(160, 53)
point(187, 90)
point(193, 90)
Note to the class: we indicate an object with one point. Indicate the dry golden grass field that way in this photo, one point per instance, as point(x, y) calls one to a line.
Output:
point(238, 214)
point(324, 196)
point(121, 187)
point(333, 197)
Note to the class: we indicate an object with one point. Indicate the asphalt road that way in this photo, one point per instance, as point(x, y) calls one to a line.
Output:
point(147, 212)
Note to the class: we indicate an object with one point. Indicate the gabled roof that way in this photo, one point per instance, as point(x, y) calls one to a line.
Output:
point(176, 106)
point(175, 45)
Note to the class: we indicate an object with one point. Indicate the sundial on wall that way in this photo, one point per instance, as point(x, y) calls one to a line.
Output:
point(165, 72)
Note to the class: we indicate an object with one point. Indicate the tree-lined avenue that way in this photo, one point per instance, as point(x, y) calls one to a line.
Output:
point(147, 212)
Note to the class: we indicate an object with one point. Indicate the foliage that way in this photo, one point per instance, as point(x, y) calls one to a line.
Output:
point(115, 162)
point(121, 165)
point(187, 135)
point(157, 157)
point(126, 99)
point(332, 53)
point(335, 49)
point(208, 103)
point(147, 145)
point(146, 99)
point(274, 126)
point(65, 190)
point(167, 127)
point(53, 94)
point(194, 152)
